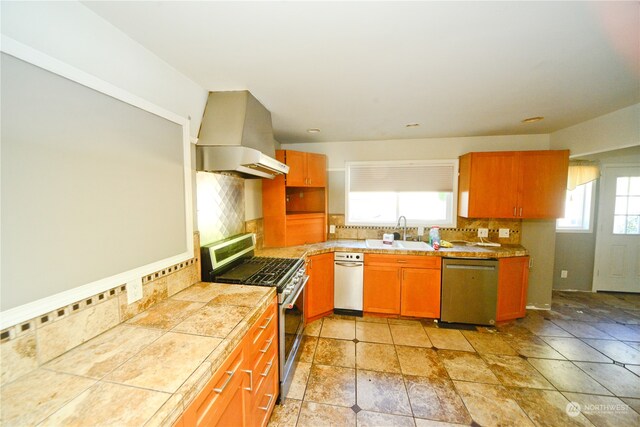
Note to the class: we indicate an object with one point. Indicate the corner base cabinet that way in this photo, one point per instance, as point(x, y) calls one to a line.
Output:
point(319, 290)
point(243, 391)
point(513, 282)
point(407, 285)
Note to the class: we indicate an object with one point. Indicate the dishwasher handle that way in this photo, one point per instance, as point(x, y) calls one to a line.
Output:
point(348, 264)
point(470, 267)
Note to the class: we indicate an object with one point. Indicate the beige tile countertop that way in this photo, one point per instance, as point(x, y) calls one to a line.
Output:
point(144, 371)
point(458, 251)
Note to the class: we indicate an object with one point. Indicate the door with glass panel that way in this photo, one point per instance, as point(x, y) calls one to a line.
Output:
point(617, 260)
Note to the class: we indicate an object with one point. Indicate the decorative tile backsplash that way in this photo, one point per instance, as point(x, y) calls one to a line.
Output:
point(467, 230)
point(220, 206)
point(28, 345)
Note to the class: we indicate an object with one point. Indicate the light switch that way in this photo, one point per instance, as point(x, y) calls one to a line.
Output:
point(134, 290)
point(332, 229)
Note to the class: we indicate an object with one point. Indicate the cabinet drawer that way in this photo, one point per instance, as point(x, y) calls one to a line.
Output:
point(264, 365)
point(418, 261)
point(214, 398)
point(265, 398)
point(264, 328)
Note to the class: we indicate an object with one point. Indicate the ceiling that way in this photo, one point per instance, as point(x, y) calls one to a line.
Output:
point(364, 70)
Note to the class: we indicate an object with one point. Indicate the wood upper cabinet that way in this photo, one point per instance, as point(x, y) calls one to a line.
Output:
point(305, 169)
point(513, 184)
point(408, 285)
point(319, 290)
point(513, 281)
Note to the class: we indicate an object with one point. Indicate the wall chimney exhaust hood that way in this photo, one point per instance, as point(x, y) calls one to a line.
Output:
point(236, 137)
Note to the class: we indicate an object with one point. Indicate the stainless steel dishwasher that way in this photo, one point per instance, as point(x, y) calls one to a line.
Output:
point(469, 291)
point(348, 281)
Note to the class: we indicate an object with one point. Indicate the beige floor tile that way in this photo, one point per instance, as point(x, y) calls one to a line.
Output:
point(635, 345)
point(335, 353)
point(109, 404)
point(377, 357)
point(581, 329)
point(462, 365)
point(382, 392)
point(421, 422)
point(286, 414)
point(372, 319)
point(606, 411)
point(436, 399)
point(331, 385)
point(565, 376)
point(316, 415)
point(407, 322)
point(533, 346)
point(616, 379)
point(313, 328)
point(420, 361)
point(410, 333)
point(616, 350)
point(448, 339)
point(634, 368)
point(633, 403)
point(547, 408)
point(489, 343)
point(38, 394)
point(541, 327)
point(307, 349)
point(376, 419)
point(575, 349)
point(491, 405)
point(338, 328)
point(618, 331)
point(515, 372)
point(299, 381)
point(373, 332)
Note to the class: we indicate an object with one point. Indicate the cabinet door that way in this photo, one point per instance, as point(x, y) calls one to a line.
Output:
point(544, 183)
point(420, 295)
point(381, 289)
point(305, 228)
point(297, 162)
point(319, 291)
point(513, 280)
point(489, 185)
point(316, 170)
point(233, 415)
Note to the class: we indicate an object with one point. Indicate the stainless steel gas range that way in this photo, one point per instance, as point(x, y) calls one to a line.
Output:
point(232, 261)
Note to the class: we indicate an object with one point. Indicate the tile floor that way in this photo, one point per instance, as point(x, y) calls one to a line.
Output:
point(403, 372)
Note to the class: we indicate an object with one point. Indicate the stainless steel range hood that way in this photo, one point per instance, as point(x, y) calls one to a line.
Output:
point(236, 137)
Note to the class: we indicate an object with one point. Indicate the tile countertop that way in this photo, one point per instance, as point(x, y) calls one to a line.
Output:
point(144, 371)
point(458, 251)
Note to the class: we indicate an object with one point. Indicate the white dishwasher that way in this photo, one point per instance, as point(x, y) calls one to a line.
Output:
point(348, 279)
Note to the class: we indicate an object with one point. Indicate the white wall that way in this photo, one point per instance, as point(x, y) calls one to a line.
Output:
point(612, 131)
point(72, 33)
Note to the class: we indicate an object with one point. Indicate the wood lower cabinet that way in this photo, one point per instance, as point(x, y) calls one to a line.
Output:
point(513, 281)
point(406, 285)
point(513, 184)
point(319, 290)
point(244, 389)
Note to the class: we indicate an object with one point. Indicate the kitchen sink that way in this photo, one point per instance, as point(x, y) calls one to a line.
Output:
point(398, 244)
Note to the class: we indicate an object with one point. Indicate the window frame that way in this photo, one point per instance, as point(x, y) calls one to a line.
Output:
point(591, 212)
point(441, 162)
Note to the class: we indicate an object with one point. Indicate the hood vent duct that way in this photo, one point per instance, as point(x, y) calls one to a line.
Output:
point(236, 137)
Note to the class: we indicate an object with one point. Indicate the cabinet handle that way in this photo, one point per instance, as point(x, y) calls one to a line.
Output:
point(226, 383)
point(267, 347)
point(266, 324)
point(266, 408)
point(521, 212)
point(250, 388)
point(514, 211)
point(402, 261)
point(266, 372)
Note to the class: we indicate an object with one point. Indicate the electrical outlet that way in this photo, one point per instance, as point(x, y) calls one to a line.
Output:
point(332, 229)
point(503, 233)
point(564, 274)
point(420, 231)
point(483, 232)
point(134, 290)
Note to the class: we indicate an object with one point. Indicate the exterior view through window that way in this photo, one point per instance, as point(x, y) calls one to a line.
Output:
point(626, 217)
point(578, 209)
point(378, 193)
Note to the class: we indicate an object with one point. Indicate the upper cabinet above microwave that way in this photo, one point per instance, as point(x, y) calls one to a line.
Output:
point(513, 184)
point(305, 169)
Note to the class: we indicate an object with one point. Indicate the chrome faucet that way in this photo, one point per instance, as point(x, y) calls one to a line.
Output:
point(404, 229)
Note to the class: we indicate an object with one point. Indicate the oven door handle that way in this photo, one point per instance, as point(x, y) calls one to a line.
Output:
point(289, 304)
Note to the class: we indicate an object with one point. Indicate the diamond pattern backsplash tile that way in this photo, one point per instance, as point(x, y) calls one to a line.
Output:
point(220, 206)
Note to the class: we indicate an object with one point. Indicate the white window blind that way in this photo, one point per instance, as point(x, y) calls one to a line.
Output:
point(401, 176)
